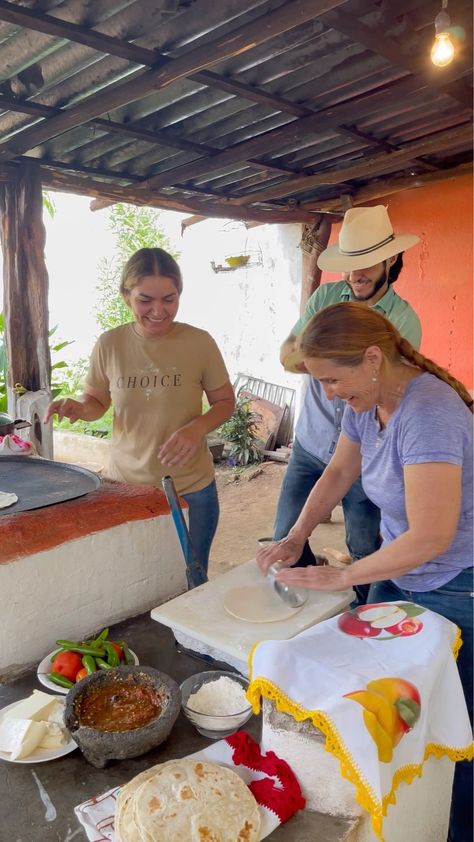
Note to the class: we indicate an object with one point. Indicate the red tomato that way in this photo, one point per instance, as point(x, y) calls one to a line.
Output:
point(118, 649)
point(68, 664)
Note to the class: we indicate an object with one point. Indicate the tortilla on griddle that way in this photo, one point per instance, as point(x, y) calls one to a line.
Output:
point(190, 800)
point(7, 498)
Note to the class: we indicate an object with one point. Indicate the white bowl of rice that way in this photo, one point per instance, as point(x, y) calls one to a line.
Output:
point(215, 702)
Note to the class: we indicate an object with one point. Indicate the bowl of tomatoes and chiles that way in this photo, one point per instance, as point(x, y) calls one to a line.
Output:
point(76, 659)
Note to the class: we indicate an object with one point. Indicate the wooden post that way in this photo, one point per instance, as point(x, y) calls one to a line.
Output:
point(314, 240)
point(25, 278)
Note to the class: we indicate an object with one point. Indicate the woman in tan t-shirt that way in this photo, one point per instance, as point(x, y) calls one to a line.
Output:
point(154, 371)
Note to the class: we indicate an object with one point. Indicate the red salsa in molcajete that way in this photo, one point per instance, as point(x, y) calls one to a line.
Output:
point(119, 706)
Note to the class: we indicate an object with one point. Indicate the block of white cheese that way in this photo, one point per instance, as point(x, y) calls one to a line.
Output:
point(56, 714)
point(20, 737)
point(38, 706)
point(53, 737)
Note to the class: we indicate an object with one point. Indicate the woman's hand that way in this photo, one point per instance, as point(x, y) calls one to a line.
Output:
point(64, 408)
point(316, 577)
point(181, 445)
point(286, 551)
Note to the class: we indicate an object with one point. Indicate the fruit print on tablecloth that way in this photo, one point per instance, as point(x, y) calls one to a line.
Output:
point(392, 707)
point(382, 620)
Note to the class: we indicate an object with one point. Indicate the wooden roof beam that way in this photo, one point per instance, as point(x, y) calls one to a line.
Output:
point(271, 141)
point(375, 39)
point(164, 137)
point(369, 168)
point(57, 180)
point(58, 28)
point(386, 187)
point(233, 43)
point(352, 131)
point(49, 25)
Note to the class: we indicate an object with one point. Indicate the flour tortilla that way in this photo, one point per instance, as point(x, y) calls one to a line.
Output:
point(7, 498)
point(258, 604)
point(187, 800)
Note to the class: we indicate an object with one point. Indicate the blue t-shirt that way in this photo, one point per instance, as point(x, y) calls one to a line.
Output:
point(431, 424)
point(319, 423)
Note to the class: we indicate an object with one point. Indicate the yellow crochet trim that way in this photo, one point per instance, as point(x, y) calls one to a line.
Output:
point(334, 744)
point(251, 654)
point(457, 643)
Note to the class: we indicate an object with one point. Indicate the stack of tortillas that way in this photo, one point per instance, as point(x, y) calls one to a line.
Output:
point(189, 800)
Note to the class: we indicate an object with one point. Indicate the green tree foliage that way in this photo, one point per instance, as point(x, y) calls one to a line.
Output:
point(48, 204)
point(134, 228)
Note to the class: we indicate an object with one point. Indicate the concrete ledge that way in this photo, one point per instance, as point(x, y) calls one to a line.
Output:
point(89, 451)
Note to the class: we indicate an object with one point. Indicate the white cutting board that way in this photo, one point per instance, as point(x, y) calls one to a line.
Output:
point(200, 614)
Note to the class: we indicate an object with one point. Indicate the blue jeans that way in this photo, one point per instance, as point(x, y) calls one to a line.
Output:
point(454, 601)
point(361, 517)
point(203, 519)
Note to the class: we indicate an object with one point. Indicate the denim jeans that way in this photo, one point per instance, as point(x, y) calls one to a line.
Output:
point(454, 601)
point(361, 517)
point(203, 519)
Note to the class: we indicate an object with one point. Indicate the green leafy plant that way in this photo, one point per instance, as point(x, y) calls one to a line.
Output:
point(48, 204)
point(240, 432)
point(57, 382)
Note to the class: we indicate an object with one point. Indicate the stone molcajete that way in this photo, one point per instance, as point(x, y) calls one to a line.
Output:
point(99, 745)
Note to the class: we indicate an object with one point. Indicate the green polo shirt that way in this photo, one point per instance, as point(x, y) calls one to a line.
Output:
point(399, 311)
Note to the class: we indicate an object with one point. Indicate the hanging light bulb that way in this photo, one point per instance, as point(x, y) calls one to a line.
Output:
point(442, 51)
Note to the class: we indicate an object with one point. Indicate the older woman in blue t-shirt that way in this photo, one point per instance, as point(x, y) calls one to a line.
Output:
point(407, 429)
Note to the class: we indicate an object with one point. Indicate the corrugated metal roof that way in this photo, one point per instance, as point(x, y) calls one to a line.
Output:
point(255, 109)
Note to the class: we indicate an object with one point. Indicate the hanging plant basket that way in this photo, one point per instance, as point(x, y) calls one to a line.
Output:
point(234, 261)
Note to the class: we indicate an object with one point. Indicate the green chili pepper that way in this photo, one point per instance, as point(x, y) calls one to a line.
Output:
point(96, 642)
point(60, 679)
point(89, 663)
point(129, 659)
point(81, 649)
point(112, 658)
point(103, 665)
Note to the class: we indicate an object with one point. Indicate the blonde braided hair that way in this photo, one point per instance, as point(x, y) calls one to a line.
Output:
point(343, 332)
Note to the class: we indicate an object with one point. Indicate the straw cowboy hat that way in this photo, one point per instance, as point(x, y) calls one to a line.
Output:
point(365, 239)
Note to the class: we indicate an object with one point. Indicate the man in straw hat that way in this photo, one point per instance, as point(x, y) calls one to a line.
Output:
point(369, 255)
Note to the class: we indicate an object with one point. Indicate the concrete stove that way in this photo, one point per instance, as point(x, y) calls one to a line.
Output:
point(70, 569)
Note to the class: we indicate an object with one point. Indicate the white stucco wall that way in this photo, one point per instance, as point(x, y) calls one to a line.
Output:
point(251, 310)
point(83, 585)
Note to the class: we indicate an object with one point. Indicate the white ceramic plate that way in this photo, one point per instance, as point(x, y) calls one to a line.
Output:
point(46, 666)
point(40, 755)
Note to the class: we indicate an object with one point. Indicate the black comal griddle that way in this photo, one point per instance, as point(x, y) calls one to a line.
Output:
point(42, 482)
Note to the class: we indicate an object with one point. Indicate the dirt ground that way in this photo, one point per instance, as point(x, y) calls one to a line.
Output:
point(248, 503)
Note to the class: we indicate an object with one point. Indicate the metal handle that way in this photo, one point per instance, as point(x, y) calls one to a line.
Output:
point(195, 574)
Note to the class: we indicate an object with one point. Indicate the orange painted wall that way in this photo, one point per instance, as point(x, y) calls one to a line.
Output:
point(437, 277)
